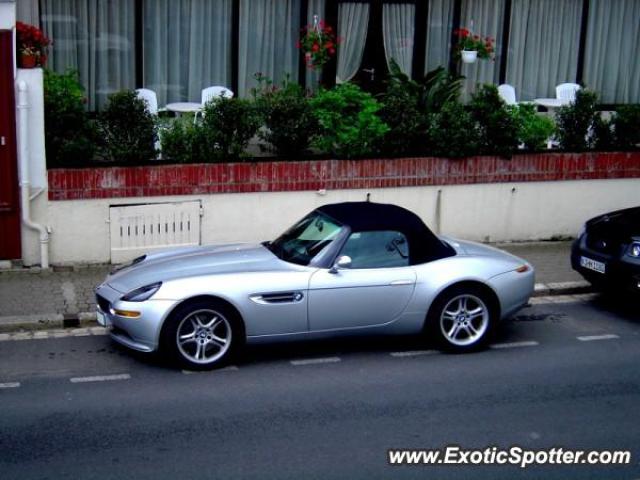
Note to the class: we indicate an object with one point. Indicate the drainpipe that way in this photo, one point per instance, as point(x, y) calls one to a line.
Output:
point(25, 184)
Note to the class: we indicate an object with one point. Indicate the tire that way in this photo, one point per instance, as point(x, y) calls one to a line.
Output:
point(202, 335)
point(462, 319)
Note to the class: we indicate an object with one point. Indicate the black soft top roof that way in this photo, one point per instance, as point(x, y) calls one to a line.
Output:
point(424, 246)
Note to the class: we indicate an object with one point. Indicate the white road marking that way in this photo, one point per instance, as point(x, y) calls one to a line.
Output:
point(100, 378)
point(591, 338)
point(315, 361)
point(10, 385)
point(526, 343)
point(413, 353)
point(230, 368)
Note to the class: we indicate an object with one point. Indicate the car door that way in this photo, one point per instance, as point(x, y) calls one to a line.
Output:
point(373, 291)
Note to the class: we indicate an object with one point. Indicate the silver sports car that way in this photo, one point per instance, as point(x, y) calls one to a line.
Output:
point(346, 268)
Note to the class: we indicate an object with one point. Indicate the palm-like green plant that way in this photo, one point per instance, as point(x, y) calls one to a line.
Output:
point(409, 105)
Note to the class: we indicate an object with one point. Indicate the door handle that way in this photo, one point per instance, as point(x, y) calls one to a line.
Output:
point(3, 141)
point(401, 282)
point(371, 72)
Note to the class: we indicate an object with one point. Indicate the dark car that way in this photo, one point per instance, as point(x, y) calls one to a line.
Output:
point(607, 251)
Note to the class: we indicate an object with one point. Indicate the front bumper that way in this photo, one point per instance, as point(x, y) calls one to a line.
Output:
point(621, 271)
point(141, 333)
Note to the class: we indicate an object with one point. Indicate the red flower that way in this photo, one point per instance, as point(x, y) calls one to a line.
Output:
point(332, 51)
point(328, 45)
point(315, 47)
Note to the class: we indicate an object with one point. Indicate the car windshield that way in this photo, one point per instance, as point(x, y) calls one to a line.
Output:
point(305, 239)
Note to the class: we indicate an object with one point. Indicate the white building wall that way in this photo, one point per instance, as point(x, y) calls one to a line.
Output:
point(482, 212)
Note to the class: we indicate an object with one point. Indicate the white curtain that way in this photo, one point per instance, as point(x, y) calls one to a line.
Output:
point(316, 7)
point(398, 25)
point(187, 47)
point(543, 46)
point(28, 11)
point(439, 26)
point(353, 21)
point(268, 34)
point(612, 65)
point(483, 17)
point(95, 37)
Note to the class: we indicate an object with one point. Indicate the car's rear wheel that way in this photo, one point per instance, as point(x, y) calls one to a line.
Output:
point(462, 318)
point(203, 335)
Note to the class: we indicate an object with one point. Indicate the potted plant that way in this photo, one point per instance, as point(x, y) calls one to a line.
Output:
point(31, 45)
point(318, 43)
point(471, 46)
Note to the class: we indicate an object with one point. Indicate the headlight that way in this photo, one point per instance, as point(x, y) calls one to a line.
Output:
point(634, 249)
point(143, 293)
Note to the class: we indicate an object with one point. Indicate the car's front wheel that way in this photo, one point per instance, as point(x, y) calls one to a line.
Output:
point(462, 318)
point(202, 335)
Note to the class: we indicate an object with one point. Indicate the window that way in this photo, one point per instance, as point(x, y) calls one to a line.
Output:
point(611, 64)
point(268, 34)
point(483, 17)
point(377, 249)
point(543, 46)
point(187, 47)
point(96, 38)
point(305, 239)
point(439, 26)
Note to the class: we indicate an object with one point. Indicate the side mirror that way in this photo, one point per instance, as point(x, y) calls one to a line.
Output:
point(344, 261)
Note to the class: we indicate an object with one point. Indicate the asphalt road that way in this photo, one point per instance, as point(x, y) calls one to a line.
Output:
point(574, 383)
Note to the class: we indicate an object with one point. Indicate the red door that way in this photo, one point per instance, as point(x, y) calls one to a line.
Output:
point(9, 194)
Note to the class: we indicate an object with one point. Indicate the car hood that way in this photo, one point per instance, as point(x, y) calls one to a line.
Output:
point(620, 225)
point(196, 261)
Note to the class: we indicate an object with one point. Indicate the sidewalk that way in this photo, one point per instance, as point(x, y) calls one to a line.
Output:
point(31, 298)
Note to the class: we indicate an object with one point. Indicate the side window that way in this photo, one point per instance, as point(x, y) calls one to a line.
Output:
point(377, 249)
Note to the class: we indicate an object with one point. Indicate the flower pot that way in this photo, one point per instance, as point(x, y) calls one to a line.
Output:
point(469, 56)
point(27, 61)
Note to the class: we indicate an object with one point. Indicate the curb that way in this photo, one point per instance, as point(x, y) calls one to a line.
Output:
point(561, 288)
point(88, 319)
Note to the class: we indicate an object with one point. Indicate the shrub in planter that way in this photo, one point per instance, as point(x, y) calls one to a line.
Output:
point(497, 128)
point(128, 129)
point(533, 130)
point(348, 124)
point(288, 119)
point(603, 134)
point(575, 121)
point(229, 124)
point(70, 137)
point(626, 126)
point(453, 132)
point(407, 105)
point(184, 142)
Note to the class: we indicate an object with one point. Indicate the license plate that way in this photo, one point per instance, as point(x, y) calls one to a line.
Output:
point(102, 319)
point(592, 264)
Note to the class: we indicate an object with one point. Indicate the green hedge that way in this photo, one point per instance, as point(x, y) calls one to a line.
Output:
point(411, 117)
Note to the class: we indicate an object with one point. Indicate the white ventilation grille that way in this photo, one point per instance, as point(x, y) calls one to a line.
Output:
point(140, 229)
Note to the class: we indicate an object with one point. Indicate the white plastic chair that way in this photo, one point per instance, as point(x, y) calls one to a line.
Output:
point(567, 92)
point(151, 99)
point(210, 93)
point(507, 93)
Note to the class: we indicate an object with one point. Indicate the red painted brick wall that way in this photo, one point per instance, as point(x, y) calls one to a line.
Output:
point(118, 182)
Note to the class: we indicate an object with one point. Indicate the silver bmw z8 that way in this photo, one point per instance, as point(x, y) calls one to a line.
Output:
point(344, 269)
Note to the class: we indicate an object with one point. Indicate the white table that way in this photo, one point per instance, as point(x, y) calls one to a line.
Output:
point(551, 103)
point(184, 107)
